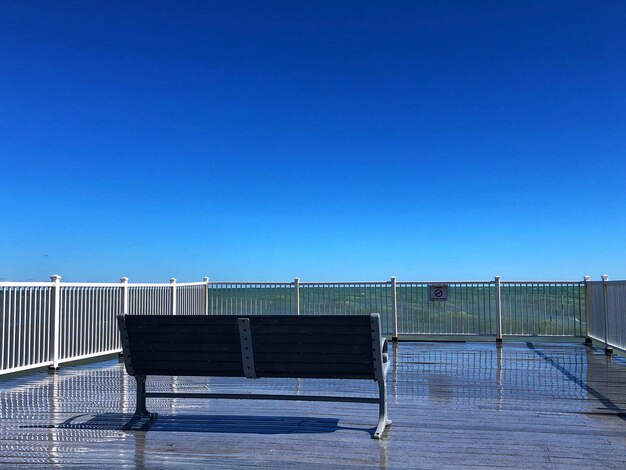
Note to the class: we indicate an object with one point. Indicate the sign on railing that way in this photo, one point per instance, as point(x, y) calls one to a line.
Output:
point(438, 292)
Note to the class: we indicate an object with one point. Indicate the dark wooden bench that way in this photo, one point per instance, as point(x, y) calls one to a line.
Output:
point(256, 346)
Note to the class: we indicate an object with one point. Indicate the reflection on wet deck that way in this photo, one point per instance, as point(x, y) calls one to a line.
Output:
point(453, 405)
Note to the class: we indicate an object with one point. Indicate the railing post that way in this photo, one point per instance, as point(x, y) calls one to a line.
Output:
point(588, 340)
point(124, 281)
point(55, 320)
point(173, 283)
point(296, 283)
point(498, 311)
point(605, 290)
point(206, 295)
point(394, 308)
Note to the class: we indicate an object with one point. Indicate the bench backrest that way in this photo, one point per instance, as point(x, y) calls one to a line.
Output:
point(307, 346)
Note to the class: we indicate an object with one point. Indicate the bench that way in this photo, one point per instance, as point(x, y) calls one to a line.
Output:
point(256, 346)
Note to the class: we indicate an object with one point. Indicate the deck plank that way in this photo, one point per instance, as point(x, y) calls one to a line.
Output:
point(454, 405)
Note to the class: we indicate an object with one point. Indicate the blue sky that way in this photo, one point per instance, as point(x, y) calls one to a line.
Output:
point(328, 140)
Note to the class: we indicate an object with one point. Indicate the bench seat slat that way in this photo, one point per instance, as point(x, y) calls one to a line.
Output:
point(225, 320)
point(335, 348)
point(140, 357)
point(213, 330)
point(174, 338)
point(280, 320)
point(200, 347)
point(322, 340)
point(310, 330)
point(132, 320)
point(141, 337)
point(273, 342)
point(167, 365)
point(321, 356)
point(190, 356)
point(269, 348)
point(279, 341)
point(322, 367)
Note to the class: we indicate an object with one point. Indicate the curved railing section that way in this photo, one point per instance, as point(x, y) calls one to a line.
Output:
point(606, 302)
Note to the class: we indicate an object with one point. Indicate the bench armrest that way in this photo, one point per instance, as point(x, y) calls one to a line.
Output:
point(128, 363)
point(384, 350)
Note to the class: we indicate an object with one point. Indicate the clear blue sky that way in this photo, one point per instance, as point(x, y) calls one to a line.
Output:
point(331, 140)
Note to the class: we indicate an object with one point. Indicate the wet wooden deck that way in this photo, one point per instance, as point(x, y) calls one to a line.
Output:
point(453, 405)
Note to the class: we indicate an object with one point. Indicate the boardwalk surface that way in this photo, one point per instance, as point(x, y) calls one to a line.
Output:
point(453, 405)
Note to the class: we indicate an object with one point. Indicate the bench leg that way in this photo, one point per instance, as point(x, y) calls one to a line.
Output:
point(383, 419)
point(141, 411)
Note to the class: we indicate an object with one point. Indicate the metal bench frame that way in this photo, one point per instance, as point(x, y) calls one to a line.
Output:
point(380, 363)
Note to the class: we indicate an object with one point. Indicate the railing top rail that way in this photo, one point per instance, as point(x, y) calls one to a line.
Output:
point(445, 282)
point(614, 283)
point(242, 283)
point(25, 284)
point(344, 283)
point(286, 283)
point(91, 284)
point(188, 284)
point(152, 284)
point(96, 284)
point(542, 282)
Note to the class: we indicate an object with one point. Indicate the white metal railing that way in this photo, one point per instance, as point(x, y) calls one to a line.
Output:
point(48, 323)
point(87, 320)
point(606, 302)
point(469, 310)
point(26, 325)
point(528, 308)
point(192, 298)
point(155, 299)
point(553, 308)
point(251, 298)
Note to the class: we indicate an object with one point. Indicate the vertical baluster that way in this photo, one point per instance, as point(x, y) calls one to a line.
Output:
point(605, 294)
point(19, 329)
point(36, 336)
point(296, 284)
point(32, 338)
point(498, 310)
point(99, 324)
point(12, 326)
point(81, 312)
point(56, 279)
point(5, 327)
point(101, 330)
point(89, 315)
point(206, 299)
point(588, 340)
point(173, 295)
point(394, 307)
point(77, 306)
